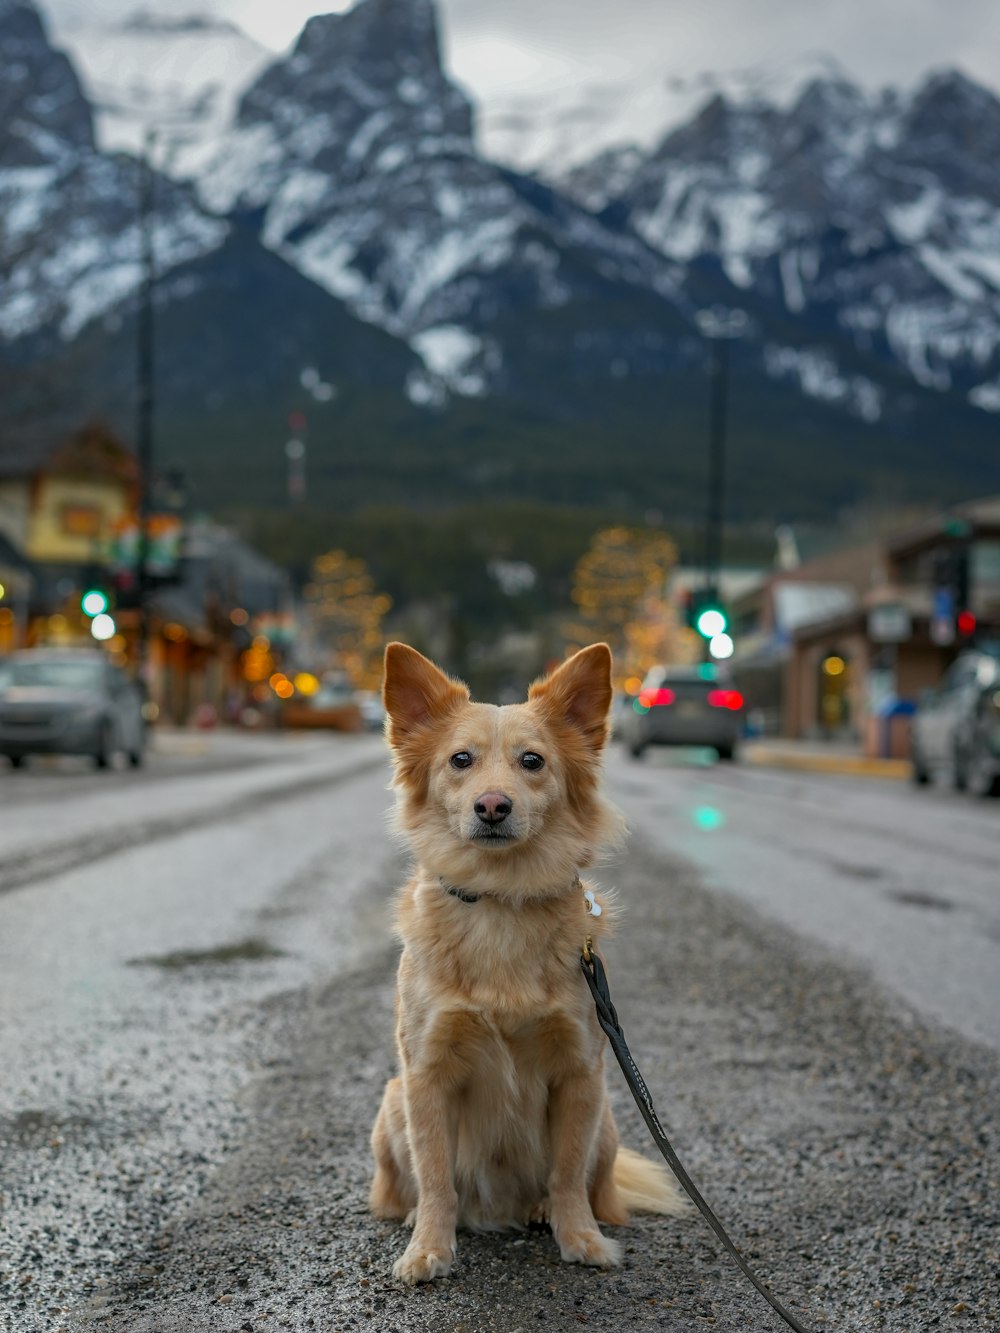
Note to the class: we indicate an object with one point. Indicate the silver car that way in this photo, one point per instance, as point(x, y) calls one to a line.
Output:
point(956, 728)
point(56, 701)
point(691, 705)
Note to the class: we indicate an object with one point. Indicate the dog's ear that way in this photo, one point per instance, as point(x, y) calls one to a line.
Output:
point(415, 692)
point(578, 693)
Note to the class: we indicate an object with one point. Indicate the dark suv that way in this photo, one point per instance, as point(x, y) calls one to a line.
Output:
point(691, 705)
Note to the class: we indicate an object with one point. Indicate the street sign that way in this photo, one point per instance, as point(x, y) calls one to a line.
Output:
point(943, 617)
point(889, 624)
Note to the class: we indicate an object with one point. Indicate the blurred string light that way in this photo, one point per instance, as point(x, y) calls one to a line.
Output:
point(345, 613)
point(618, 591)
point(281, 685)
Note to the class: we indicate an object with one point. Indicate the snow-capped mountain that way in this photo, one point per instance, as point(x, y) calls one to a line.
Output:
point(344, 222)
point(552, 132)
point(355, 157)
point(179, 77)
point(71, 267)
point(69, 237)
point(874, 218)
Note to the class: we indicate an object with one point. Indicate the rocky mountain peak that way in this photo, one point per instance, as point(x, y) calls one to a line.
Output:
point(719, 129)
point(43, 111)
point(392, 37)
point(382, 56)
point(145, 21)
point(952, 127)
point(830, 107)
point(953, 96)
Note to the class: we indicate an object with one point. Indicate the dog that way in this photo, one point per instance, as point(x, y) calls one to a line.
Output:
point(499, 1116)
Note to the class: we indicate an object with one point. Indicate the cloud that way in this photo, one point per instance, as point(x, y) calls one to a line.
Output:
point(878, 41)
point(531, 44)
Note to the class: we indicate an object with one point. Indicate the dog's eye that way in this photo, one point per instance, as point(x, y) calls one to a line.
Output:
point(532, 761)
point(461, 760)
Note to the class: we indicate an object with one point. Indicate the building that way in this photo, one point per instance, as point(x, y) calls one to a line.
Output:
point(60, 503)
point(841, 647)
point(68, 522)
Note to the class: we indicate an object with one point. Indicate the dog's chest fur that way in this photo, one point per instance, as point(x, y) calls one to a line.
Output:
point(473, 977)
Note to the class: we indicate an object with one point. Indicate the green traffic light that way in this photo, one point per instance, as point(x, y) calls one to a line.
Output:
point(711, 621)
point(94, 602)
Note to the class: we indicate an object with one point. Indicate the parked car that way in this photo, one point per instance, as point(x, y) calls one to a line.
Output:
point(61, 701)
point(691, 705)
point(956, 728)
point(332, 708)
point(372, 709)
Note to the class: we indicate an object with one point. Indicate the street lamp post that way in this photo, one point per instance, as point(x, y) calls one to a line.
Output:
point(720, 326)
point(145, 395)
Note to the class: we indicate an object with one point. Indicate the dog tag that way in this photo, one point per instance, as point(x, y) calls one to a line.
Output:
point(593, 906)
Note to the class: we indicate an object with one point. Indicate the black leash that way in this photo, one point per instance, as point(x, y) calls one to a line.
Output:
point(593, 970)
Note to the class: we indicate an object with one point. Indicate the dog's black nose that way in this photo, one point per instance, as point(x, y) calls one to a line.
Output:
point(493, 807)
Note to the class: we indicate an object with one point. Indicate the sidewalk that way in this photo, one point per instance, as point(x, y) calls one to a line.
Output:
point(821, 757)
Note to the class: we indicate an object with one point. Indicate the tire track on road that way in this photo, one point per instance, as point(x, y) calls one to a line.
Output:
point(33, 867)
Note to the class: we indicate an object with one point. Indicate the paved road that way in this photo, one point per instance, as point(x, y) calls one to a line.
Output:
point(905, 880)
point(195, 1022)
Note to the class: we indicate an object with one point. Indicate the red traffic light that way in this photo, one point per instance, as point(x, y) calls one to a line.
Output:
point(965, 623)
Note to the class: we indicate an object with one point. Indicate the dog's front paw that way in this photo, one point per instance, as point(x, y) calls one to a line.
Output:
point(423, 1263)
point(589, 1247)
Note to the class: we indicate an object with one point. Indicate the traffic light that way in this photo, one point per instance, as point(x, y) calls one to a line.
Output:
point(96, 606)
point(952, 619)
point(94, 602)
point(711, 620)
point(721, 646)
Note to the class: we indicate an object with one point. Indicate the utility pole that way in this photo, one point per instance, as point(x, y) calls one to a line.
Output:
point(719, 327)
point(295, 453)
point(717, 405)
point(145, 347)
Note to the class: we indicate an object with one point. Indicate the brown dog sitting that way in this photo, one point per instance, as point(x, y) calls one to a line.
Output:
point(500, 1115)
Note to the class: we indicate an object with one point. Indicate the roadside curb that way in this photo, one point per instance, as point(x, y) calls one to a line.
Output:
point(812, 761)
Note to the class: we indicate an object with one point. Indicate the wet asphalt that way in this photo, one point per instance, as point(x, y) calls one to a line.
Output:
point(215, 1177)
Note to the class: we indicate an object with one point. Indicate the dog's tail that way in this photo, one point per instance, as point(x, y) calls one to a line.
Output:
point(645, 1186)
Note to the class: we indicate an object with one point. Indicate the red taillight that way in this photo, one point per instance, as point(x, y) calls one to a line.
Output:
point(725, 699)
point(649, 698)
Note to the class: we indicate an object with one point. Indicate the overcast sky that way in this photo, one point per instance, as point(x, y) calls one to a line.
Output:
point(495, 46)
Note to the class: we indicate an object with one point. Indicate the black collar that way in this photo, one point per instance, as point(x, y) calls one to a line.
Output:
point(461, 893)
point(464, 896)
